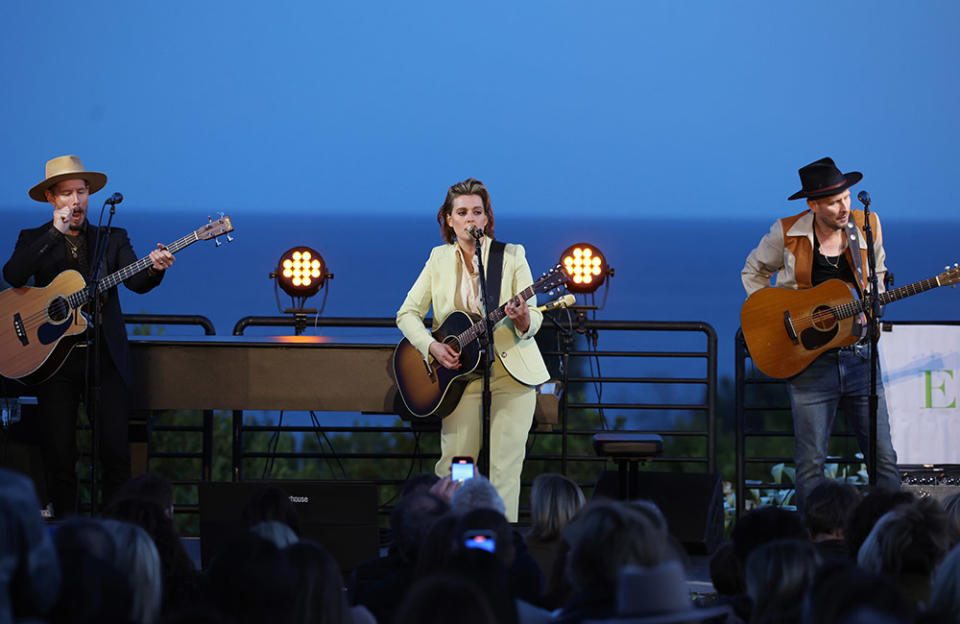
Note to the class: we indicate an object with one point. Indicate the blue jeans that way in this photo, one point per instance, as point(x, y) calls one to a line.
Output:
point(838, 378)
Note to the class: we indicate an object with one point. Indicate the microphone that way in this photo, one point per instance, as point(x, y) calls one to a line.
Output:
point(864, 198)
point(115, 199)
point(563, 302)
point(474, 231)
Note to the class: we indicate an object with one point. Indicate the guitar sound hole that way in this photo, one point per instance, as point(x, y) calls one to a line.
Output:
point(58, 310)
point(453, 342)
point(823, 318)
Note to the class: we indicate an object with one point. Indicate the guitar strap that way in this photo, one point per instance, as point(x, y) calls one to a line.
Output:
point(854, 247)
point(494, 275)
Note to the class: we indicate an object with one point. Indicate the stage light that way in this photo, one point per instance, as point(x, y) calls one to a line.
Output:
point(586, 266)
point(301, 272)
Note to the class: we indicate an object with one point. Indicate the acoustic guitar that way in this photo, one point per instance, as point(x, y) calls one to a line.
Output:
point(39, 326)
point(785, 329)
point(429, 389)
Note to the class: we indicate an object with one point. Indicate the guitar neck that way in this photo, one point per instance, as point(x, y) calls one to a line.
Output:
point(81, 297)
point(477, 329)
point(860, 305)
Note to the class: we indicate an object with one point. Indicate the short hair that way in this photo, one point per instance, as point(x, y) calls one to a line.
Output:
point(945, 591)
point(828, 507)
point(470, 186)
point(765, 524)
point(841, 590)
point(911, 539)
point(951, 505)
point(606, 536)
point(442, 599)
point(554, 500)
point(411, 521)
point(138, 560)
point(777, 575)
point(868, 511)
point(150, 486)
point(271, 503)
point(476, 493)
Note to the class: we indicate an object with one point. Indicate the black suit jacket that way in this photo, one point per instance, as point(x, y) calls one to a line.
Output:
point(41, 254)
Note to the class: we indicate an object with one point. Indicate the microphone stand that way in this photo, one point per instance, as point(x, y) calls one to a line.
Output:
point(873, 335)
point(94, 342)
point(487, 348)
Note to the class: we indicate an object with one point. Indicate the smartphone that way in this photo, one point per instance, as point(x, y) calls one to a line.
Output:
point(482, 539)
point(461, 468)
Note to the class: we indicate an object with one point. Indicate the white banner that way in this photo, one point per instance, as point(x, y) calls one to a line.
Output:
point(921, 374)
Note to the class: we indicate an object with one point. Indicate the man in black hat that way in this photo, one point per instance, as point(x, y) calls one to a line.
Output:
point(41, 254)
point(824, 242)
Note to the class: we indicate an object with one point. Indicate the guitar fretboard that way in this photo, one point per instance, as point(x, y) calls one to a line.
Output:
point(475, 330)
point(80, 297)
point(859, 305)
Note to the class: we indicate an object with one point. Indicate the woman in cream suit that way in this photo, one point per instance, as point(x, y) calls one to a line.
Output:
point(448, 282)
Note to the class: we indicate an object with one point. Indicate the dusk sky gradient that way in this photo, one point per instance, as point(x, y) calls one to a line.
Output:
point(640, 108)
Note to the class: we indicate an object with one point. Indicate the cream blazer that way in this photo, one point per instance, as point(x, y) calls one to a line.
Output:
point(437, 286)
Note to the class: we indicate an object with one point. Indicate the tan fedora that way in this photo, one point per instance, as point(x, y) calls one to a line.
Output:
point(67, 168)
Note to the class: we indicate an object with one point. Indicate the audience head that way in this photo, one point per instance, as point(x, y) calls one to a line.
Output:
point(93, 589)
point(725, 571)
point(250, 580)
point(486, 521)
point(412, 520)
point(777, 575)
point(486, 572)
point(945, 593)
point(150, 486)
point(606, 536)
point(951, 505)
point(278, 533)
point(868, 511)
point(271, 504)
point(765, 524)
point(828, 507)
point(418, 483)
point(843, 592)
point(437, 546)
point(319, 585)
point(445, 599)
point(476, 493)
point(908, 540)
point(554, 500)
point(137, 559)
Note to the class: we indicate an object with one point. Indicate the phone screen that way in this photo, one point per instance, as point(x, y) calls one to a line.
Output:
point(461, 468)
point(483, 540)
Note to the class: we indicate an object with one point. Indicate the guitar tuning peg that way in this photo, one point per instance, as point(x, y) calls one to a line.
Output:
point(229, 238)
point(219, 215)
point(216, 241)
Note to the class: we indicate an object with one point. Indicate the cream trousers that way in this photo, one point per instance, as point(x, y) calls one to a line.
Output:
point(511, 415)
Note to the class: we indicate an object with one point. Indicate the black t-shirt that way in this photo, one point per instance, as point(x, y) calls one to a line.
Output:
point(830, 267)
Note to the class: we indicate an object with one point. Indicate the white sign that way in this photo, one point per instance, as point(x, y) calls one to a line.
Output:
point(921, 375)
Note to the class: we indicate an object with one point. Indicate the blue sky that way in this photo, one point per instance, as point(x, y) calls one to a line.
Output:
point(626, 108)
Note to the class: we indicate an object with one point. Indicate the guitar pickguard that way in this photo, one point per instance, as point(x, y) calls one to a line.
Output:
point(49, 333)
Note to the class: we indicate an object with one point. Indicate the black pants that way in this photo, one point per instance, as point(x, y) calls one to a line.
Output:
point(57, 401)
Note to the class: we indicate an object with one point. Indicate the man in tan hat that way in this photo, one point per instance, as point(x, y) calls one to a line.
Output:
point(804, 251)
point(42, 253)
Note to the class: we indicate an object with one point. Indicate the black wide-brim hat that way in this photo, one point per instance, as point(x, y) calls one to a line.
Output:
point(822, 179)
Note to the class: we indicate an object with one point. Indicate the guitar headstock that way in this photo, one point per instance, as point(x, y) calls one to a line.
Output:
point(554, 278)
point(951, 276)
point(215, 228)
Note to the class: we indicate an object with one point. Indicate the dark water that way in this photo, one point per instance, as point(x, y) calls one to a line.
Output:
point(665, 269)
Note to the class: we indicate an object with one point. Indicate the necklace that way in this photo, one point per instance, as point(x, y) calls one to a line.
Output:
point(74, 248)
point(833, 264)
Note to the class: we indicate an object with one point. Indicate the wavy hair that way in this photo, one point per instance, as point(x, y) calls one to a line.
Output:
point(470, 186)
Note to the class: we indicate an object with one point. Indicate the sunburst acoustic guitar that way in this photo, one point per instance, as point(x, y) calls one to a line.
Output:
point(429, 389)
point(785, 330)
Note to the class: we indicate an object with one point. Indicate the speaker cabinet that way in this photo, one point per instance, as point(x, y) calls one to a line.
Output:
point(340, 516)
point(691, 502)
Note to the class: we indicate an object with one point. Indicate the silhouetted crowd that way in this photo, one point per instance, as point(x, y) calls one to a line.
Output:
point(454, 559)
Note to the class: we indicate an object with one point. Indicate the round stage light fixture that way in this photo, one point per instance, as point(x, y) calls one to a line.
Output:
point(586, 266)
point(301, 272)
